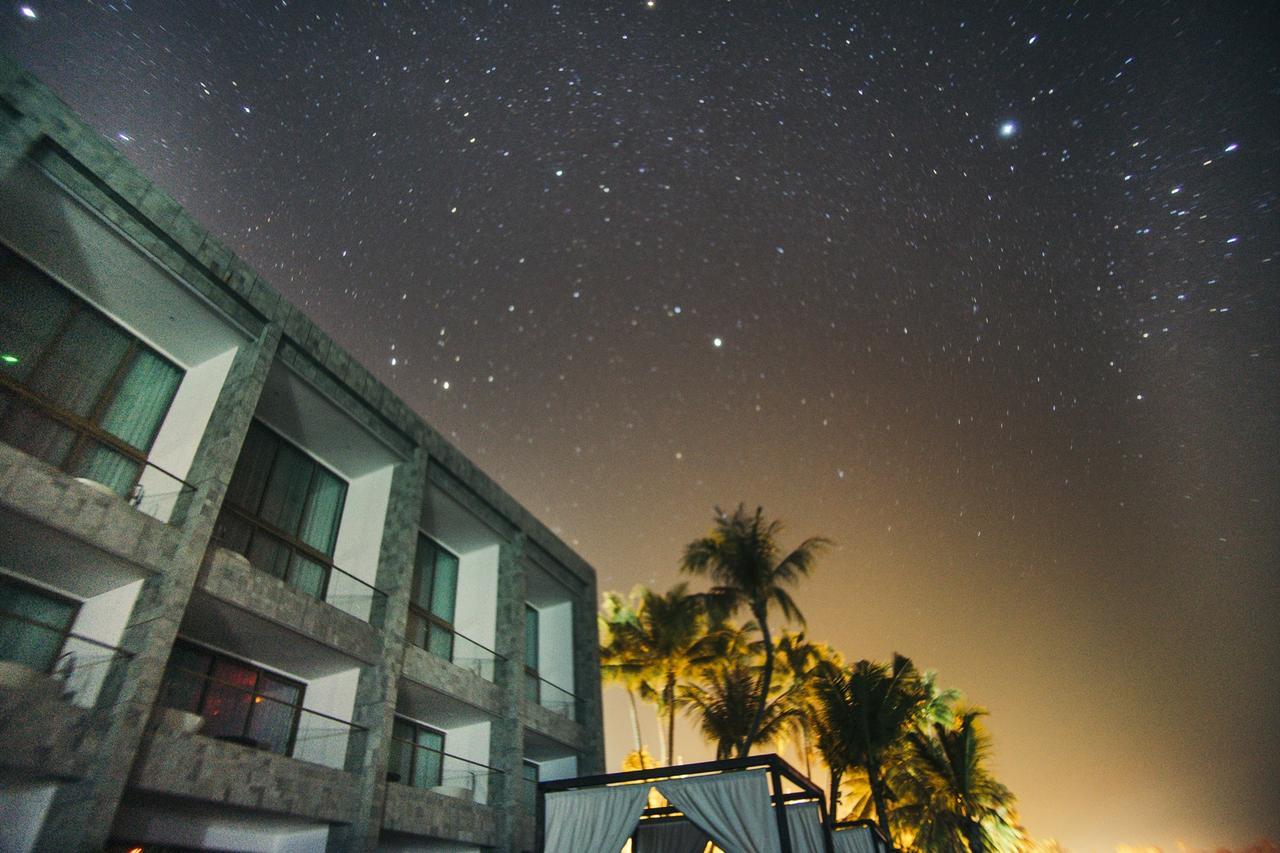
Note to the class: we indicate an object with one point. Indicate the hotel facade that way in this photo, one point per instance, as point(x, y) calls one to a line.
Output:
point(249, 600)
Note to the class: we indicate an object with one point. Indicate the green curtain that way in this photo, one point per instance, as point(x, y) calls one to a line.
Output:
point(75, 371)
point(323, 511)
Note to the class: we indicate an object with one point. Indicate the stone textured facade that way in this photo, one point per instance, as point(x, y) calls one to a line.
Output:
point(65, 535)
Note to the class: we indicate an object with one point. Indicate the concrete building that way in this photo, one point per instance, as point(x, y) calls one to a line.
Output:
point(248, 599)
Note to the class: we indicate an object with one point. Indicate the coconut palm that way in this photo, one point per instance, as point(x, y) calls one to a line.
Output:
point(866, 711)
point(743, 559)
point(724, 694)
point(952, 798)
point(620, 657)
point(798, 663)
point(662, 644)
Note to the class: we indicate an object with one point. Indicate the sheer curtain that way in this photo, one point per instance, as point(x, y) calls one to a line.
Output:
point(734, 808)
point(804, 821)
point(670, 836)
point(855, 839)
point(598, 819)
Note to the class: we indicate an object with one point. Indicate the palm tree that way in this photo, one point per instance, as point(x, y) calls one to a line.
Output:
point(799, 662)
point(954, 799)
point(741, 556)
point(866, 712)
point(662, 644)
point(619, 653)
point(725, 691)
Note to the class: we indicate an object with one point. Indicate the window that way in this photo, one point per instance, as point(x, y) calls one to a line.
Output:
point(282, 511)
point(237, 700)
point(434, 595)
point(532, 683)
point(417, 754)
point(33, 624)
point(76, 390)
point(529, 772)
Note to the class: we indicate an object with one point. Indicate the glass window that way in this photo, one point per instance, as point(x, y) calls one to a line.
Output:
point(434, 598)
point(76, 390)
point(33, 624)
point(282, 511)
point(237, 700)
point(417, 754)
point(529, 772)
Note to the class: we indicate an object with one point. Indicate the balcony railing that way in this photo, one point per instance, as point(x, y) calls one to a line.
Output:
point(469, 654)
point(553, 697)
point(445, 773)
point(78, 665)
point(341, 589)
point(94, 456)
point(276, 726)
point(445, 642)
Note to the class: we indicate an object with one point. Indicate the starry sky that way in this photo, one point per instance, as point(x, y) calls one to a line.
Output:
point(987, 293)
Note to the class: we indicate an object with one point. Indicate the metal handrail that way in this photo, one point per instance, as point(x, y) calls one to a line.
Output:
point(568, 707)
point(292, 747)
point(290, 541)
point(485, 771)
point(472, 664)
point(67, 667)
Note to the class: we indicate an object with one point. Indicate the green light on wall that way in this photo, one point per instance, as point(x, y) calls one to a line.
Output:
point(9, 358)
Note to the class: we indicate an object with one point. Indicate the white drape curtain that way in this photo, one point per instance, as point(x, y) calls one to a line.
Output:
point(597, 819)
point(805, 824)
point(855, 839)
point(733, 808)
point(679, 836)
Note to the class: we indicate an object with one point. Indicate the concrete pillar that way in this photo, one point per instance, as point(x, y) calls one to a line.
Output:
point(376, 693)
point(586, 679)
point(81, 814)
point(506, 737)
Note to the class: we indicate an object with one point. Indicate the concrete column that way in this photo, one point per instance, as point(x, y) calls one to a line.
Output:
point(506, 737)
point(376, 693)
point(586, 679)
point(81, 814)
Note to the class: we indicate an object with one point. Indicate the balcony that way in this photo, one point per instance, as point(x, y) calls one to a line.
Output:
point(50, 683)
point(310, 572)
point(439, 772)
point(557, 700)
point(250, 718)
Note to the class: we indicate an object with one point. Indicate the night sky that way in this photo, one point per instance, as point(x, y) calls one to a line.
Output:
point(986, 295)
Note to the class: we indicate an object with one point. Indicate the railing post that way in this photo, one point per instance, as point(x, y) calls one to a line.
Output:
point(780, 808)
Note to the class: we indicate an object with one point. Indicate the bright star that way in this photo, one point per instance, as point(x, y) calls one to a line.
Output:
point(1008, 129)
point(717, 342)
point(28, 12)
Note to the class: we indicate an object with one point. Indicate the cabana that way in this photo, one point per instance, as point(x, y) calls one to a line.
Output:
point(758, 804)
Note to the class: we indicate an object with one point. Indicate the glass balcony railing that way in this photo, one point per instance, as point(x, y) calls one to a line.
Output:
point(469, 654)
point(550, 696)
point(433, 636)
point(305, 569)
point(88, 452)
point(441, 772)
point(76, 665)
point(249, 718)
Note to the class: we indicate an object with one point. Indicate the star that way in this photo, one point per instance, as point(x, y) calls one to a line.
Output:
point(28, 12)
point(717, 342)
point(1008, 129)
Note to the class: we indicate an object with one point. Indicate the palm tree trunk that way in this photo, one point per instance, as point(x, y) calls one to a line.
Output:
point(765, 677)
point(877, 796)
point(834, 798)
point(635, 727)
point(669, 694)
